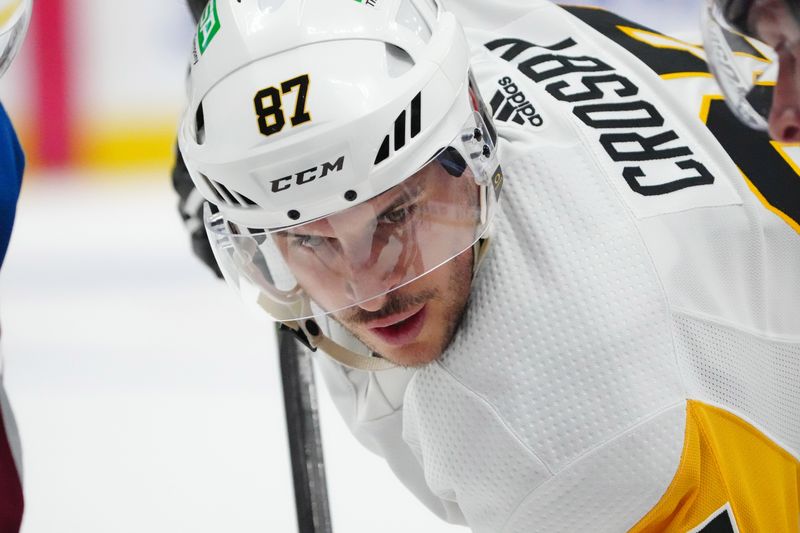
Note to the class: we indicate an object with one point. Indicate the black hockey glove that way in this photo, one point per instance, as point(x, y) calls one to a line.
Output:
point(190, 206)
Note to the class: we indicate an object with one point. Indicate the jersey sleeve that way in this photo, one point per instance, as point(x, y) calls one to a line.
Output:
point(12, 165)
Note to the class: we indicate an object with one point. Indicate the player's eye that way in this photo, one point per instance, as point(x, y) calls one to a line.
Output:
point(307, 241)
point(399, 215)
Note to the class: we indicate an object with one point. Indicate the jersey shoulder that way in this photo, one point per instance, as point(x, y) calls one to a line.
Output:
point(12, 164)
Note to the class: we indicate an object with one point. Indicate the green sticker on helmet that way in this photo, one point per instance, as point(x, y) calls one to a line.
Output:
point(208, 26)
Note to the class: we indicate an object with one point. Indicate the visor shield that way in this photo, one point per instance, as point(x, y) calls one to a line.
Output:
point(745, 55)
point(379, 245)
point(14, 19)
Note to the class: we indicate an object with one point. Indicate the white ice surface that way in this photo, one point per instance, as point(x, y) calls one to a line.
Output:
point(147, 397)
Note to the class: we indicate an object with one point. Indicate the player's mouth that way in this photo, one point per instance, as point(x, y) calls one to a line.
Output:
point(402, 328)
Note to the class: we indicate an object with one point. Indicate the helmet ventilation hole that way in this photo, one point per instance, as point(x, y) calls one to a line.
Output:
point(407, 125)
point(213, 189)
point(227, 196)
point(398, 61)
point(200, 125)
point(410, 17)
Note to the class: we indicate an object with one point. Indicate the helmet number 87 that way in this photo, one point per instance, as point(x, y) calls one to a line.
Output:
point(269, 105)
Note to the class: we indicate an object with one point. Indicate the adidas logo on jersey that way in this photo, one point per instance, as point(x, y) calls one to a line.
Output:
point(510, 104)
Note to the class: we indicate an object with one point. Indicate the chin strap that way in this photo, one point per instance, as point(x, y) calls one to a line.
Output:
point(312, 337)
point(479, 251)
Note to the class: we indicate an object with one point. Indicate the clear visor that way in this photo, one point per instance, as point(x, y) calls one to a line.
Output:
point(378, 246)
point(14, 19)
point(751, 55)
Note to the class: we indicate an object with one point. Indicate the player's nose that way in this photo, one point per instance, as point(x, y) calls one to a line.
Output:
point(374, 304)
point(370, 274)
point(784, 125)
point(784, 117)
point(368, 288)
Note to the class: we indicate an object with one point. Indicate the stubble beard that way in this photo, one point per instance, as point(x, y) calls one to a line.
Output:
point(455, 297)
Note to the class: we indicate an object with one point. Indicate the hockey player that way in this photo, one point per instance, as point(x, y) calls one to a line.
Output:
point(614, 347)
point(761, 83)
point(14, 18)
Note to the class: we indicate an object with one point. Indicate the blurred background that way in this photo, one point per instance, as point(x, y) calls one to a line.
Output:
point(147, 398)
point(99, 85)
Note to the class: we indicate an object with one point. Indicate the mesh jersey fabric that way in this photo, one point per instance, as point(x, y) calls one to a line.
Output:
point(576, 371)
point(616, 291)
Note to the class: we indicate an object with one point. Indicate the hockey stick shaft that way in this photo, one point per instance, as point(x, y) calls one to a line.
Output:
point(305, 439)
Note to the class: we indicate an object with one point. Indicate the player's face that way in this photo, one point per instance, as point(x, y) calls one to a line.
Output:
point(366, 255)
point(413, 325)
point(774, 23)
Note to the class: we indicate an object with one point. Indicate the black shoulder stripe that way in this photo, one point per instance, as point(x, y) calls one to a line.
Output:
point(758, 159)
point(662, 60)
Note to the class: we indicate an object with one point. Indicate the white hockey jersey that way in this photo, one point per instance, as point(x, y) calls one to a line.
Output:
point(630, 357)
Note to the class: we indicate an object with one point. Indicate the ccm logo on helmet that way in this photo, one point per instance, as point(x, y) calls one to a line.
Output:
point(307, 176)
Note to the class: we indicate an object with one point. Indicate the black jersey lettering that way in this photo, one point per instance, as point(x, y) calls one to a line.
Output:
point(547, 66)
point(624, 87)
point(619, 115)
point(606, 103)
point(764, 163)
point(702, 177)
point(640, 147)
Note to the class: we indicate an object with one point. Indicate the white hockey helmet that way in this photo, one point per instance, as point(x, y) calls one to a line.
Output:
point(15, 15)
point(753, 49)
point(342, 148)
